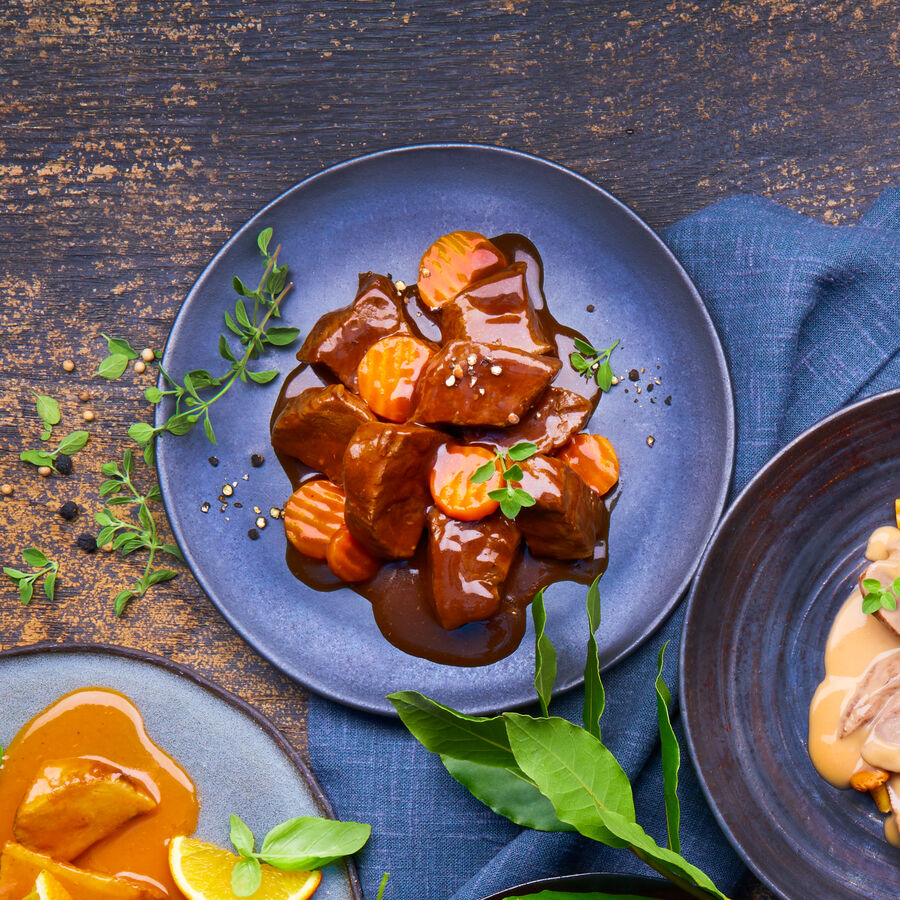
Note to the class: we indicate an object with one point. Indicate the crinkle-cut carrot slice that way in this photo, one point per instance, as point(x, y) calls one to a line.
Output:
point(453, 491)
point(454, 261)
point(594, 459)
point(312, 516)
point(348, 559)
point(388, 373)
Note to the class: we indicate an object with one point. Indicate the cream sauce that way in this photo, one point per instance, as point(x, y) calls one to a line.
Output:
point(856, 640)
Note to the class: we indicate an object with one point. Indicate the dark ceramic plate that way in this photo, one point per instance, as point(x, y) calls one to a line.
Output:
point(783, 560)
point(237, 759)
point(611, 884)
point(380, 212)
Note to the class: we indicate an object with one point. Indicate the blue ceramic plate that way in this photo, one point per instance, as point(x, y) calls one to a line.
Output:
point(236, 758)
point(598, 882)
point(380, 212)
point(784, 559)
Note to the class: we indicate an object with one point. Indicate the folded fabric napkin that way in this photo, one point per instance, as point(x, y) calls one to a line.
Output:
point(809, 316)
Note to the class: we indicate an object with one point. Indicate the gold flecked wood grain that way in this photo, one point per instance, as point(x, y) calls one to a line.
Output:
point(137, 135)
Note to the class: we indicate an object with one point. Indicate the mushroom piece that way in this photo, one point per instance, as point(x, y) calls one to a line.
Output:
point(878, 684)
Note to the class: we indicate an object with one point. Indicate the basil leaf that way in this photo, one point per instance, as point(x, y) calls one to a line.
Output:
point(594, 693)
point(47, 408)
point(241, 837)
point(113, 366)
point(507, 792)
point(671, 755)
point(73, 442)
point(246, 877)
point(309, 842)
point(450, 733)
point(34, 557)
point(483, 473)
point(544, 654)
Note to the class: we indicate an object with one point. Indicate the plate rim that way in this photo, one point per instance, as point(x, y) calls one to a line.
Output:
point(242, 706)
point(729, 456)
point(724, 526)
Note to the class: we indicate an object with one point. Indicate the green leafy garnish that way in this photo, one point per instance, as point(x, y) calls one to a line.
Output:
point(544, 654)
point(45, 567)
point(128, 536)
point(120, 354)
point(302, 844)
point(48, 410)
point(192, 394)
point(876, 597)
point(593, 363)
point(510, 498)
point(511, 760)
point(70, 444)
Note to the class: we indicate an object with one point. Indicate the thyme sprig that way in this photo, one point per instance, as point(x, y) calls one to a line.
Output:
point(46, 568)
point(254, 333)
point(128, 536)
point(593, 363)
point(510, 498)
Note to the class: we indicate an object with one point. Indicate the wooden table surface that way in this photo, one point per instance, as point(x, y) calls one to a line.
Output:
point(137, 135)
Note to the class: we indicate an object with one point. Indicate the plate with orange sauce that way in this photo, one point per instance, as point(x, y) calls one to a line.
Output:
point(177, 756)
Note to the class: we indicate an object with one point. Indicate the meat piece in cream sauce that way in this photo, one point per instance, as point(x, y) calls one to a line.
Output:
point(480, 365)
point(854, 717)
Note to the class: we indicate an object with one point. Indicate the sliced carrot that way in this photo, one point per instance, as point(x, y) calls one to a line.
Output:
point(454, 261)
point(313, 514)
point(453, 491)
point(388, 374)
point(348, 559)
point(594, 459)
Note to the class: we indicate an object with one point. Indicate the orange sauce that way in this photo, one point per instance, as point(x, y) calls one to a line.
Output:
point(103, 724)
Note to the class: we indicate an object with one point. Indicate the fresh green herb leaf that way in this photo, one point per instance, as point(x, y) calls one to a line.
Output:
point(120, 346)
point(671, 755)
point(241, 837)
point(511, 499)
point(513, 473)
point(309, 842)
point(153, 395)
point(510, 507)
point(73, 442)
point(246, 877)
point(282, 335)
point(523, 498)
point(35, 557)
point(593, 363)
point(48, 410)
point(484, 473)
point(123, 598)
point(113, 366)
point(544, 654)
point(876, 596)
point(50, 584)
point(594, 693)
point(262, 241)
point(37, 457)
point(522, 451)
point(263, 377)
point(45, 567)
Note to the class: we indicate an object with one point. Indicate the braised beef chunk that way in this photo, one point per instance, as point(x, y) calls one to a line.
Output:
point(386, 470)
point(496, 310)
point(568, 515)
point(469, 383)
point(316, 426)
point(469, 563)
point(553, 419)
point(340, 338)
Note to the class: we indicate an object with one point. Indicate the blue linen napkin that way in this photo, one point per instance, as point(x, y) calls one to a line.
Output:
point(809, 316)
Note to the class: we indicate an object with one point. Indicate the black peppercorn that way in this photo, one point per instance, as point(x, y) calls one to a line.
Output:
point(69, 510)
point(213, 461)
point(634, 375)
point(253, 534)
point(63, 463)
point(256, 460)
point(87, 542)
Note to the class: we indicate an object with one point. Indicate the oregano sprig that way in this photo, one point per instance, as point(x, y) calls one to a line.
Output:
point(120, 354)
point(45, 567)
point(48, 410)
point(192, 402)
point(302, 844)
point(511, 499)
point(877, 596)
point(593, 363)
point(70, 444)
point(127, 535)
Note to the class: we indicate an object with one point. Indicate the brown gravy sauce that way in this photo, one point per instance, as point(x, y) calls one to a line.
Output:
point(855, 641)
point(102, 724)
point(399, 592)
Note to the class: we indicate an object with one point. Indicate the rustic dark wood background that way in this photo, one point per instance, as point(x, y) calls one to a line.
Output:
point(136, 136)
